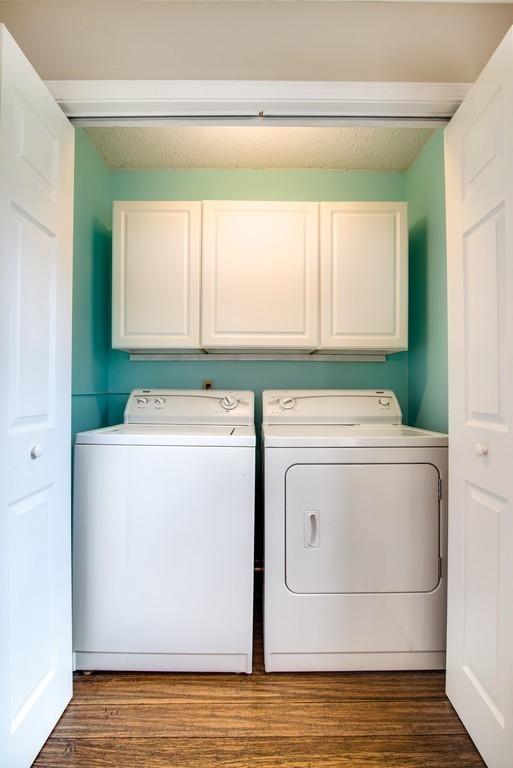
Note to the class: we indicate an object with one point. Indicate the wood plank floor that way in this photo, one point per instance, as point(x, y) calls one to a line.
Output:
point(327, 720)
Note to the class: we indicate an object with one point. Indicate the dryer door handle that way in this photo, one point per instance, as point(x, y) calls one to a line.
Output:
point(312, 528)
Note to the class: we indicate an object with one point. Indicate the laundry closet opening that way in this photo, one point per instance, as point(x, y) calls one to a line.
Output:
point(329, 164)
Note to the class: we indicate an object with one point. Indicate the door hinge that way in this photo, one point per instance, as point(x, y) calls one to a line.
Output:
point(439, 488)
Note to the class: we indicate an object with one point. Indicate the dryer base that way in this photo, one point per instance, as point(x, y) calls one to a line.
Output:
point(353, 662)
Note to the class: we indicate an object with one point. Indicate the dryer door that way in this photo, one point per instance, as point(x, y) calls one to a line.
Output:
point(360, 528)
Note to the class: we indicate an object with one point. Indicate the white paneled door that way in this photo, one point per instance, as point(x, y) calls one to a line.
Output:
point(36, 197)
point(479, 168)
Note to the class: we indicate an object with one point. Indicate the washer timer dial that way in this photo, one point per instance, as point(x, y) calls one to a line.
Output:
point(228, 403)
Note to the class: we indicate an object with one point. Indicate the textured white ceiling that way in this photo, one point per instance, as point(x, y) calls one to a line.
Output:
point(379, 148)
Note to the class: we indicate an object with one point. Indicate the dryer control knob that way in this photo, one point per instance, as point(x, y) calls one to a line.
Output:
point(159, 401)
point(384, 401)
point(141, 400)
point(228, 403)
point(286, 403)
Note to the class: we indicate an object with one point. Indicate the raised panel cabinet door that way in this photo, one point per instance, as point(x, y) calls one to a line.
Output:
point(156, 275)
point(260, 275)
point(36, 221)
point(364, 276)
point(479, 198)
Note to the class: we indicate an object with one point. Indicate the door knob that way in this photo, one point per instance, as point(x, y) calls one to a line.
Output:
point(481, 449)
point(36, 451)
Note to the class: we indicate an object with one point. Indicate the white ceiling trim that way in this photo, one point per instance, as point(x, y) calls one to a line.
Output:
point(232, 100)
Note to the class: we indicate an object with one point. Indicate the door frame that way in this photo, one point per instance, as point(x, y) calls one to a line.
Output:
point(277, 102)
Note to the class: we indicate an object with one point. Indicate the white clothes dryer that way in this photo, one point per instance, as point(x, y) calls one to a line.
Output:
point(355, 534)
point(163, 535)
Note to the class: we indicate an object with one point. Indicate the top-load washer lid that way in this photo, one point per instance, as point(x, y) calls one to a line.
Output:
point(339, 418)
point(181, 417)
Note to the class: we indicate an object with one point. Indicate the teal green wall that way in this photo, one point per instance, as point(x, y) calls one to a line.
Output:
point(91, 287)
point(102, 378)
point(255, 376)
point(256, 185)
point(427, 355)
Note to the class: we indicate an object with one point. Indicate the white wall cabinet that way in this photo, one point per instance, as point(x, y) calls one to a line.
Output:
point(257, 276)
point(260, 275)
point(364, 276)
point(156, 275)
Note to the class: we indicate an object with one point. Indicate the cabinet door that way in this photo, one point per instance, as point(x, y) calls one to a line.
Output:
point(364, 276)
point(156, 275)
point(260, 275)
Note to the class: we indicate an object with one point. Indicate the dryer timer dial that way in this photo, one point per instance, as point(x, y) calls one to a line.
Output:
point(286, 403)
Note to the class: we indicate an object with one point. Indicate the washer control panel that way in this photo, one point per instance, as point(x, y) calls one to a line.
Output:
point(331, 406)
point(190, 406)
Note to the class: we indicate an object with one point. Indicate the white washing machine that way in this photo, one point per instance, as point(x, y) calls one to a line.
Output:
point(163, 535)
point(355, 534)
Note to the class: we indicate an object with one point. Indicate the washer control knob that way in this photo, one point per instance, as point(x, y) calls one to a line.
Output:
point(141, 400)
point(228, 403)
point(384, 401)
point(286, 403)
point(159, 401)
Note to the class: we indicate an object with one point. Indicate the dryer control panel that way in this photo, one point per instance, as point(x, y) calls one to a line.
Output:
point(331, 406)
point(190, 406)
